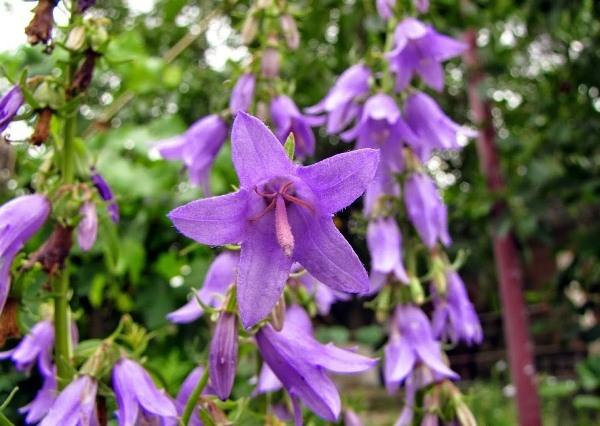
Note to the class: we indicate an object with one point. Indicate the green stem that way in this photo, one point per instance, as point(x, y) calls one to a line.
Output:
point(62, 329)
point(191, 403)
point(68, 157)
point(4, 421)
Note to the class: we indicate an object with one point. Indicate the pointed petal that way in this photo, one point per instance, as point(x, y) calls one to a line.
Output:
point(256, 152)
point(432, 73)
point(399, 361)
point(128, 407)
point(172, 148)
point(267, 380)
point(326, 254)
point(430, 352)
point(189, 312)
point(262, 271)
point(213, 221)
point(341, 179)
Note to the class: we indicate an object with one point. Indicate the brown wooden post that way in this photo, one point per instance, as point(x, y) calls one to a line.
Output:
point(506, 255)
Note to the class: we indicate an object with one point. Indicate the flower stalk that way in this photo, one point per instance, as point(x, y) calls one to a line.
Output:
point(191, 403)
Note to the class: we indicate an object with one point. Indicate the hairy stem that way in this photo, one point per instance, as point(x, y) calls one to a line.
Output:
point(62, 329)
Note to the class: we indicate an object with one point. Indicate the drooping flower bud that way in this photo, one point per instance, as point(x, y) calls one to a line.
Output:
point(290, 31)
point(223, 354)
point(270, 62)
point(87, 230)
point(9, 106)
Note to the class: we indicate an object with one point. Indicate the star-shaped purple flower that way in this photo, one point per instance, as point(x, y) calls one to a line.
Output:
point(20, 218)
point(434, 129)
point(220, 275)
point(341, 103)
point(9, 106)
point(281, 214)
point(197, 148)
point(454, 316)
point(411, 342)
point(419, 49)
point(299, 361)
point(287, 119)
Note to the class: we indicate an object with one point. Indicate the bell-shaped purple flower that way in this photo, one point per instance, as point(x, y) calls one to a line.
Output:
point(75, 405)
point(223, 354)
point(20, 218)
point(220, 275)
point(426, 210)
point(87, 230)
point(381, 126)
point(419, 49)
point(299, 361)
point(454, 316)
point(242, 94)
point(44, 398)
point(281, 214)
point(434, 129)
point(287, 119)
point(341, 105)
point(411, 342)
point(197, 148)
point(385, 245)
point(36, 346)
point(138, 399)
point(106, 194)
point(9, 106)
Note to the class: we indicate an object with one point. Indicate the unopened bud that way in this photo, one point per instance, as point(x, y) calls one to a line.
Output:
point(416, 291)
point(290, 31)
point(223, 354)
point(76, 39)
point(250, 28)
point(270, 62)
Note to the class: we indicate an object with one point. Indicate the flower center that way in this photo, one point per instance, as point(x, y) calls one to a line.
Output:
point(278, 197)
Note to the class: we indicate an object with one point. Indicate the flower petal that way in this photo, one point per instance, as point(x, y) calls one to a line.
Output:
point(326, 254)
point(399, 361)
point(213, 221)
point(262, 271)
point(341, 179)
point(256, 152)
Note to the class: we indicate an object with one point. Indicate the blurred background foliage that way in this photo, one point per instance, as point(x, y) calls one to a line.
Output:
point(541, 59)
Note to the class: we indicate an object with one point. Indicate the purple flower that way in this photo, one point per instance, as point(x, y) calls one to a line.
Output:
point(87, 230)
point(42, 402)
point(385, 245)
point(75, 405)
point(351, 418)
point(197, 148)
point(381, 126)
point(324, 296)
point(287, 119)
point(223, 354)
point(106, 194)
point(299, 362)
point(426, 210)
point(37, 346)
point(138, 399)
point(434, 129)
point(242, 94)
point(384, 185)
point(341, 103)
point(270, 63)
point(9, 106)
point(454, 316)
point(411, 341)
point(281, 214)
point(220, 275)
point(419, 49)
point(385, 8)
point(20, 218)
